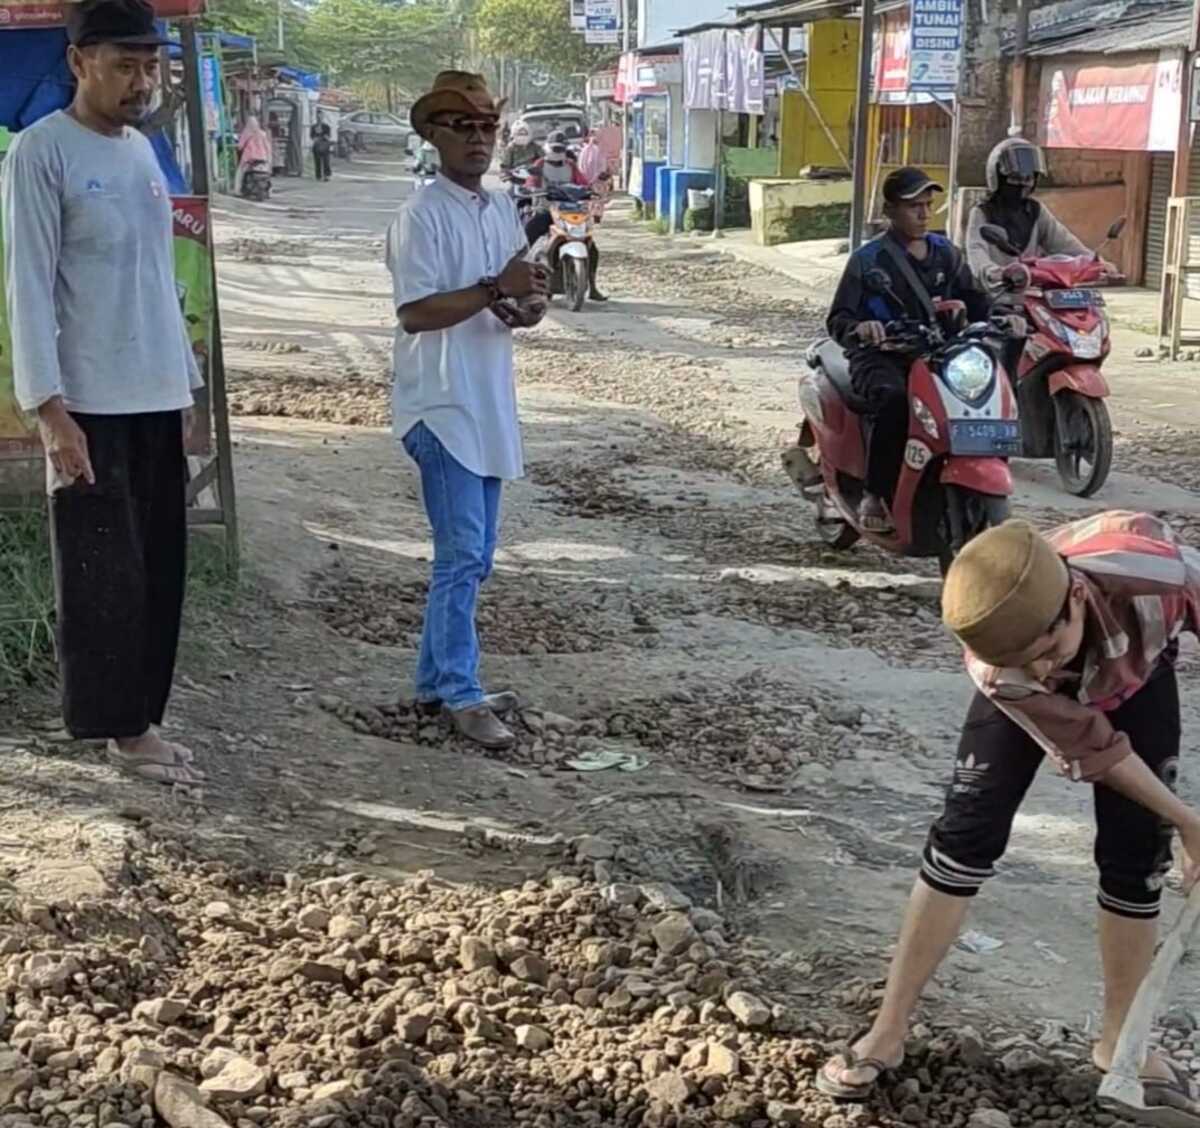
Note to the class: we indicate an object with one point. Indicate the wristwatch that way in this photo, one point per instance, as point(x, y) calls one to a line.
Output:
point(492, 286)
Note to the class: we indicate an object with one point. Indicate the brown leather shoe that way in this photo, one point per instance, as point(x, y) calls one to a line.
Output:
point(505, 701)
point(479, 724)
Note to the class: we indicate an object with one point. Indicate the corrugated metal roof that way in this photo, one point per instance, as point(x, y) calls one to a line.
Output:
point(1150, 34)
point(782, 13)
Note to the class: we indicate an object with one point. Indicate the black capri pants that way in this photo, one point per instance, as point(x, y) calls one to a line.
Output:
point(997, 762)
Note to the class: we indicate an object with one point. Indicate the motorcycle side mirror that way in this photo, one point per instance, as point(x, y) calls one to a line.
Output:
point(1114, 232)
point(997, 237)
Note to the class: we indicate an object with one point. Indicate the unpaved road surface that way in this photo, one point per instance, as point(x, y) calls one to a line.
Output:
point(358, 921)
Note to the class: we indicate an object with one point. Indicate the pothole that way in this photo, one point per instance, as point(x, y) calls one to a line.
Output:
point(349, 400)
point(761, 735)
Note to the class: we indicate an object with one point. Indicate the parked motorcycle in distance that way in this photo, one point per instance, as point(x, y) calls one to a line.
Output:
point(962, 427)
point(256, 181)
point(1060, 388)
point(514, 180)
point(565, 247)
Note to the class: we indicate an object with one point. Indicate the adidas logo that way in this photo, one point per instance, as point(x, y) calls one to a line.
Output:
point(969, 771)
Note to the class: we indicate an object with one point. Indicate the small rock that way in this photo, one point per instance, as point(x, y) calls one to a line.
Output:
point(780, 1113)
point(671, 1089)
point(989, 1118)
point(291, 1081)
point(665, 897)
point(722, 1061)
point(748, 1009)
point(595, 849)
point(239, 1080)
point(166, 1012)
point(313, 917)
point(333, 1091)
point(475, 954)
point(346, 928)
point(533, 1038)
point(413, 1027)
point(181, 1104)
point(1144, 353)
point(674, 934)
point(530, 968)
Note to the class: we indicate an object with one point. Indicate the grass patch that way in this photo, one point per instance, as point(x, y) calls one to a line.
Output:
point(27, 657)
point(660, 226)
point(26, 598)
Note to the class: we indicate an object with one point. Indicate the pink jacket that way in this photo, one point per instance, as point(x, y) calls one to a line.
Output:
point(255, 143)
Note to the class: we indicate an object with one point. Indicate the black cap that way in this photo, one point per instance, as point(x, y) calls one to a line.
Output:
point(908, 184)
point(128, 22)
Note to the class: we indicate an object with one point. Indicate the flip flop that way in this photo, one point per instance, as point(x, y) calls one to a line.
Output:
point(1173, 1103)
point(830, 1086)
point(153, 771)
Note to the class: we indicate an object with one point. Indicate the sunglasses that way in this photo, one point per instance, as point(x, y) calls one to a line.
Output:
point(465, 127)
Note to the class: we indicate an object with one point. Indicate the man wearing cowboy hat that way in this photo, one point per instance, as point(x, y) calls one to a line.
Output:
point(461, 283)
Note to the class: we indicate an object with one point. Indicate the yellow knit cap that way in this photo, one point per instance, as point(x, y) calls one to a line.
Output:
point(1004, 590)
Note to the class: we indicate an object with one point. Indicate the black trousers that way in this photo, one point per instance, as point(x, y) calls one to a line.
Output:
point(539, 224)
point(323, 164)
point(882, 380)
point(997, 762)
point(120, 552)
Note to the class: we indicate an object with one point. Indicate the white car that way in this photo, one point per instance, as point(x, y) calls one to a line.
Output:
point(376, 127)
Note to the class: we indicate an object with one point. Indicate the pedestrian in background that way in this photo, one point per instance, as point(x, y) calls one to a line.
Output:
point(322, 147)
point(101, 354)
point(456, 255)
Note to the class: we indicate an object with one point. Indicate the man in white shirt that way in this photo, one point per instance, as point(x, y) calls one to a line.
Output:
point(101, 354)
point(461, 285)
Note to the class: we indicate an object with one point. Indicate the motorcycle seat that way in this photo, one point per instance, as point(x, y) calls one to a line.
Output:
point(837, 369)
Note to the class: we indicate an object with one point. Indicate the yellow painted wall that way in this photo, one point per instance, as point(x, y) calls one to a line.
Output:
point(783, 211)
point(832, 78)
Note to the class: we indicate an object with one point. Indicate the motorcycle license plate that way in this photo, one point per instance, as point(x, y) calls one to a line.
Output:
point(1072, 299)
point(985, 437)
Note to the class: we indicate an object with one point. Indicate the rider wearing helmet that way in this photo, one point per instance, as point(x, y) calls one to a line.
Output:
point(557, 167)
point(1014, 169)
point(521, 150)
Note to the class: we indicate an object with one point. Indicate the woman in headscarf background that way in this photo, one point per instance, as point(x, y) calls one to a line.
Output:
point(253, 145)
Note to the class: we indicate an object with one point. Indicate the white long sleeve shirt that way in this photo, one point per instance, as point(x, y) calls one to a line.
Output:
point(459, 381)
point(89, 273)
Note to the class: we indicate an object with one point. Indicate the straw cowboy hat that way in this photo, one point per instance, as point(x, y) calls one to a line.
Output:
point(459, 91)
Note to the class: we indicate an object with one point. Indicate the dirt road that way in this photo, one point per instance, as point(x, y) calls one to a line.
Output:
point(660, 600)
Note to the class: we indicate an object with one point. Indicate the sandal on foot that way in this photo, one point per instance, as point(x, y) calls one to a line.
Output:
point(830, 1086)
point(153, 771)
point(1173, 1103)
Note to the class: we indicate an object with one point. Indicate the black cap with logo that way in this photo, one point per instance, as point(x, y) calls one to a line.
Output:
point(126, 22)
point(907, 184)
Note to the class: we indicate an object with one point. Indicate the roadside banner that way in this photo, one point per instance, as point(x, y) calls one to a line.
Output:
point(18, 438)
point(723, 70)
point(935, 47)
point(49, 13)
point(578, 15)
point(194, 287)
point(1133, 106)
point(891, 54)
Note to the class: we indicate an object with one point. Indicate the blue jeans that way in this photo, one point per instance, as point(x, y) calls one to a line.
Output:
point(463, 511)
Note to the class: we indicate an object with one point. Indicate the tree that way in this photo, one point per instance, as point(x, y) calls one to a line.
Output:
point(260, 18)
point(400, 46)
point(538, 31)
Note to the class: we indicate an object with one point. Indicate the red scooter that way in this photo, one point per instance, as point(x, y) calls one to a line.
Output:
point(1060, 389)
point(962, 428)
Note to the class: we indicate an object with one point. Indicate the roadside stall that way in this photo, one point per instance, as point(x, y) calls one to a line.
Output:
point(34, 82)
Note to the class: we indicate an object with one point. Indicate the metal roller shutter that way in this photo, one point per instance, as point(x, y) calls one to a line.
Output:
point(1162, 171)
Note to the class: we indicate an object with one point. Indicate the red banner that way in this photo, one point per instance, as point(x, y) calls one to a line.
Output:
point(1133, 107)
point(891, 54)
point(38, 13)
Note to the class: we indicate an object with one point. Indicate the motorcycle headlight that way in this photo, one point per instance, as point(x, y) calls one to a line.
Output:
point(577, 230)
point(969, 373)
point(1086, 346)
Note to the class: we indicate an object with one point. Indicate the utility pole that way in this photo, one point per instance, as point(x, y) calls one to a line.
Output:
point(1017, 125)
point(858, 204)
point(625, 104)
point(279, 17)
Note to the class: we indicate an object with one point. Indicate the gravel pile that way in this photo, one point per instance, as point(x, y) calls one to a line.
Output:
point(346, 1002)
point(896, 626)
point(762, 735)
point(357, 401)
point(517, 614)
point(1164, 453)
